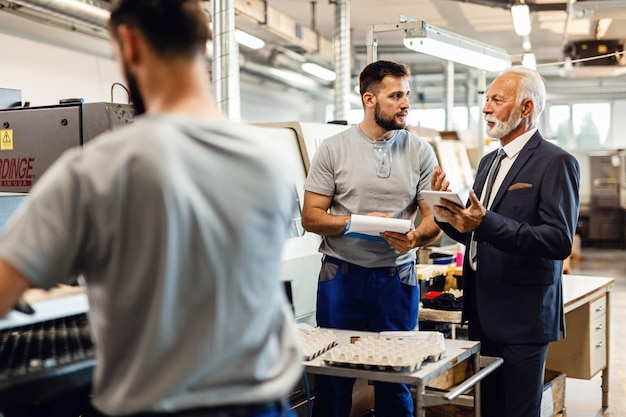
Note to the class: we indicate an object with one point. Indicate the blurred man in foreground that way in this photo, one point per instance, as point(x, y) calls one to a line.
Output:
point(178, 223)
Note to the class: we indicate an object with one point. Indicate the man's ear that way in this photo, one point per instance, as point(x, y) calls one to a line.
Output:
point(527, 107)
point(369, 99)
point(129, 44)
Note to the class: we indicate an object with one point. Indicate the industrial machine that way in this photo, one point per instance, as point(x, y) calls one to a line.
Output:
point(50, 354)
point(32, 138)
point(46, 356)
point(606, 216)
point(301, 259)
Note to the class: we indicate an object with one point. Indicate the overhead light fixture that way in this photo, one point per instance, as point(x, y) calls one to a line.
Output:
point(529, 61)
point(248, 40)
point(319, 71)
point(446, 45)
point(521, 19)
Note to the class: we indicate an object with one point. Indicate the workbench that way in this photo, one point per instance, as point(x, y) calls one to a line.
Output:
point(456, 351)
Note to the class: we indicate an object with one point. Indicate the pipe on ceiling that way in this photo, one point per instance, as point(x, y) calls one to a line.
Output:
point(225, 62)
point(75, 10)
point(288, 78)
point(342, 51)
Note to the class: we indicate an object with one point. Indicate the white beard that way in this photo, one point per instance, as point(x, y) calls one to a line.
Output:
point(503, 128)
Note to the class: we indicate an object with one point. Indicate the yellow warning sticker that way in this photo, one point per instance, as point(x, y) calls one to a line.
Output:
point(6, 140)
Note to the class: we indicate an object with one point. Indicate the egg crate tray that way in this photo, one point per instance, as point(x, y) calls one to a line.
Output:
point(391, 351)
point(378, 354)
point(316, 342)
point(433, 343)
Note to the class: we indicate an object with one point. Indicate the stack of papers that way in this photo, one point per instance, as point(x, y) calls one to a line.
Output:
point(370, 227)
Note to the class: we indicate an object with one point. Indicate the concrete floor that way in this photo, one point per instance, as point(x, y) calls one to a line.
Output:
point(583, 398)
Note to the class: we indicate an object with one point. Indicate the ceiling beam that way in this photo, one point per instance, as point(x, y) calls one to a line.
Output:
point(504, 4)
point(548, 7)
point(534, 7)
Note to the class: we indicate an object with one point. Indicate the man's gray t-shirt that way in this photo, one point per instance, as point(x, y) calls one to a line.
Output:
point(345, 167)
point(178, 225)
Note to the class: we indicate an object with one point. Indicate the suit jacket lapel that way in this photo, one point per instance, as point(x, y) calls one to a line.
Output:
point(525, 154)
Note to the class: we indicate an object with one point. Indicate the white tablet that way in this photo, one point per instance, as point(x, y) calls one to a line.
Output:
point(432, 199)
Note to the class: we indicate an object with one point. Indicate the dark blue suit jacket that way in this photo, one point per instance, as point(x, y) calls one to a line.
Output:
point(516, 292)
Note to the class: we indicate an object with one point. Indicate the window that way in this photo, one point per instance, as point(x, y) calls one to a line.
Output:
point(354, 116)
point(432, 118)
point(581, 126)
point(559, 118)
point(591, 122)
point(460, 118)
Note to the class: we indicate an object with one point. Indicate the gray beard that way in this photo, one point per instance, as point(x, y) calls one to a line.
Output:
point(504, 128)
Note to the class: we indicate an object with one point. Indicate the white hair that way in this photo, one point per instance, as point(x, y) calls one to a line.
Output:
point(530, 87)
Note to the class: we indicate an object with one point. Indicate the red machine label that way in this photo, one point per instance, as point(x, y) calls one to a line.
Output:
point(16, 172)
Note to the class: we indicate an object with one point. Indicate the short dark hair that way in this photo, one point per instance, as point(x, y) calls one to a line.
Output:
point(373, 74)
point(171, 27)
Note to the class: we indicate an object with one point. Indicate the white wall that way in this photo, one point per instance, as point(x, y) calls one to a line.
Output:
point(48, 64)
point(45, 73)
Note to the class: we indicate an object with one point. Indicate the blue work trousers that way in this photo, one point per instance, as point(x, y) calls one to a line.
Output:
point(352, 297)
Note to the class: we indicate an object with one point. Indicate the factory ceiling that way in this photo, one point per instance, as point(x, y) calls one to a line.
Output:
point(556, 25)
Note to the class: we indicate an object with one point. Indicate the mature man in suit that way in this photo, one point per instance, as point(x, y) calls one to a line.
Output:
point(518, 226)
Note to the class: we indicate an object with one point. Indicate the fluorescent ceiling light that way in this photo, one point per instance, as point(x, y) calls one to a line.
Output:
point(529, 61)
point(446, 45)
point(319, 71)
point(248, 40)
point(521, 19)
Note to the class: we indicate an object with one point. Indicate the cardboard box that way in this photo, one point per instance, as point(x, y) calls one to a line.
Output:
point(552, 404)
point(449, 410)
point(553, 401)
